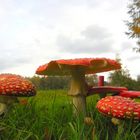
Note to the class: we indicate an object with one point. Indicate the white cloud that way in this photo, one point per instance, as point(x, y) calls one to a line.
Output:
point(96, 32)
point(93, 40)
point(37, 31)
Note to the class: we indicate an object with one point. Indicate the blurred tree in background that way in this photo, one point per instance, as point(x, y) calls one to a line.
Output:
point(57, 82)
point(50, 82)
point(122, 78)
point(134, 22)
point(116, 78)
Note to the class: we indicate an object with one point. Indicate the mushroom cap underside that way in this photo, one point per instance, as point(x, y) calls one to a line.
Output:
point(88, 65)
point(105, 89)
point(119, 107)
point(15, 85)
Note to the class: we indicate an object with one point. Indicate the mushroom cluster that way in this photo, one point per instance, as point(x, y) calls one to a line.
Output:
point(11, 87)
point(78, 68)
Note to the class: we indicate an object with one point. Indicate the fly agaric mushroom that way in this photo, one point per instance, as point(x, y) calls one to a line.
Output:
point(103, 90)
point(119, 108)
point(77, 68)
point(13, 86)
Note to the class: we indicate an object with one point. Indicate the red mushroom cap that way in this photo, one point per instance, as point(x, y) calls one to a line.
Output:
point(90, 65)
point(131, 94)
point(15, 85)
point(119, 107)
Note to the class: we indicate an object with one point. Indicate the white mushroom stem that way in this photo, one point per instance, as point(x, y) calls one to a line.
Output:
point(3, 108)
point(8, 99)
point(6, 102)
point(119, 124)
point(116, 121)
point(79, 103)
point(78, 90)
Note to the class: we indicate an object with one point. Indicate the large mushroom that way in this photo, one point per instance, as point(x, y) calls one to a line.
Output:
point(119, 108)
point(77, 68)
point(11, 87)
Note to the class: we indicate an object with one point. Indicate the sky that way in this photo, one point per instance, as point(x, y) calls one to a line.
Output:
point(34, 32)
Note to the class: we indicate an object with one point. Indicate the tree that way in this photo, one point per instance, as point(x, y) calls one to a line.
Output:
point(122, 78)
point(134, 22)
point(50, 82)
point(138, 78)
point(92, 79)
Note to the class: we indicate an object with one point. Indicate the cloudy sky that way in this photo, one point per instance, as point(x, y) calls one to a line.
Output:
point(33, 32)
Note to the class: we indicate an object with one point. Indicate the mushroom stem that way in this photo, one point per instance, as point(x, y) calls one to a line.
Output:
point(116, 121)
point(79, 103)
point(101, 83)
point(8, 99)
point(78, 90)
point(6, 102)
point(3, 108)
point(119, 124)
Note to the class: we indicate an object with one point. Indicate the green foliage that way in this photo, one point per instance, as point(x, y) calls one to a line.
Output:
point(134, 21)
point(57, 82)
point(49, 116)
point(122, 78)
point(50, 82)
point(92, 79)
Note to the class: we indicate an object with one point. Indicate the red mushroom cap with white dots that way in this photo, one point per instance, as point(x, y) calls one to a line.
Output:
point(15, 85)
point(89, 65)
point(119, 107)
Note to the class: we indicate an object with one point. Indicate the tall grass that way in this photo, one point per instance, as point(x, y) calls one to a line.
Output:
point(49, 116)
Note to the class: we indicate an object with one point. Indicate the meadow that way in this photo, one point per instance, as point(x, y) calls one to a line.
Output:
point(49, 116)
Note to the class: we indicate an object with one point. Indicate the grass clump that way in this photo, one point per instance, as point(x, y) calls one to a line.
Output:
point(49, 116)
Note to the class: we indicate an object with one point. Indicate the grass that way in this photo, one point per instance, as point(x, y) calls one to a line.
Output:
point(48, 116)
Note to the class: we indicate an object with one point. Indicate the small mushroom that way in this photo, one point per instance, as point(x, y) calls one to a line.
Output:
point(77, 68)
point(119, 108)
point(11, 87)
point(103, 90)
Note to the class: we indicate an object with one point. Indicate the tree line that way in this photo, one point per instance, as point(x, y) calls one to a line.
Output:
point(116, 78)
point(123, 78)
point(57, 82)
